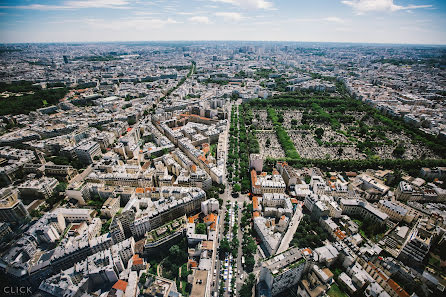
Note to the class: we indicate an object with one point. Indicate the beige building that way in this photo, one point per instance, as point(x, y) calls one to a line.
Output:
point(398, 211)
point(12, 209)
point(111, 206)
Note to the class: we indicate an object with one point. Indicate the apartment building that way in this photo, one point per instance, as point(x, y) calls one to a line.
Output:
point(264, 228)
point(41, 188)
point(281, 272)
point(111, 206)
point(87, 151)
point(264, 183)
point(418, 243)
point(363, 209)
point(12, 209)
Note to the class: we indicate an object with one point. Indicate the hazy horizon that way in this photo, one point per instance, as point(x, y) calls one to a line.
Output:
point(418, 22)
point(230, 41)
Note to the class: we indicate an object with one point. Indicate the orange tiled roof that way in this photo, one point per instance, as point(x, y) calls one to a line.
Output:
point(339, 234)
point(309, 251)
point(255, 202)
point(193, 218)
point(256, 214)
point(294, 201)
point(139, 190)
point(137, 261)
point(146, 165)
point(397, 288)
point(213, 226)
point(210, 218)
point(254, 178)
point(120, 285)
point(193, 263)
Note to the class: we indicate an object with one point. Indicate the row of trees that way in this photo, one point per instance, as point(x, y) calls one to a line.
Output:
point(319, 115)
point(242, 143)
point(233, 152)
point(283, 137)
point(246, 215)
point(246, 289)
point(248, 144)
point(249, 246)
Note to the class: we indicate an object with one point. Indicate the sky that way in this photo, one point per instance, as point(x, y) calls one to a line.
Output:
point(364, 21)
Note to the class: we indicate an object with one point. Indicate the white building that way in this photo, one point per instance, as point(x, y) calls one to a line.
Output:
point(210, 205)
point(86, 151)
point(75, 215)
point(281, 272)
point(357, 207)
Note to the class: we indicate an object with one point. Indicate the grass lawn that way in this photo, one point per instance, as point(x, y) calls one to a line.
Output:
point(336, 292)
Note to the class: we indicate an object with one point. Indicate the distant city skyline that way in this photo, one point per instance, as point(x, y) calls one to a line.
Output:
point(356, 21)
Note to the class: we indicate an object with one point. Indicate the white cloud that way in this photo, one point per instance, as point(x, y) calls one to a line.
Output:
point(200, 19)
point(334, 20)
point(331, 19)
point(145, 13)
point(230, 16)
point(126, 24)
point(117, 4)
point(363, 6)
point(249, 4)
point(35, 7)
point(97, 3)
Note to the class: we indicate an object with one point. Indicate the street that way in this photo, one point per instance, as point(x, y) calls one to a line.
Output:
point(228, 268)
